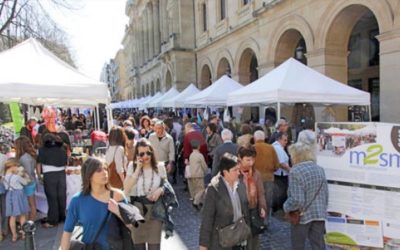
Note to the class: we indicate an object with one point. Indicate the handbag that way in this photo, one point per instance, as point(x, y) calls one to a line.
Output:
point(257, 224)
point(78, 244)
point(234, 234)
point(294, 217)
point(114, 178)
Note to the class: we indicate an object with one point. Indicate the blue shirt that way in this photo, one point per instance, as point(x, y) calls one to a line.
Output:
point(282, 158)
point(90, 213)
point(305, 179)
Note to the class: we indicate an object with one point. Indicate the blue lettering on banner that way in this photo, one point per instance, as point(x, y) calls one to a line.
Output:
point(374, 156)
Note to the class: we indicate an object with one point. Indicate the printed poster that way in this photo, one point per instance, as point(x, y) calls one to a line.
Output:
point(362, 165)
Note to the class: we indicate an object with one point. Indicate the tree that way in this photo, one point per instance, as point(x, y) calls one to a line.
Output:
point(21, 19)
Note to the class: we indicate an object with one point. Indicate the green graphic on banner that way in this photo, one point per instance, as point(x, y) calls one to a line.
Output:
point(16, 116)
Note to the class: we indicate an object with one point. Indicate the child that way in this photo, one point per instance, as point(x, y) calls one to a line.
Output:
point(16, 201)
point(197, 169)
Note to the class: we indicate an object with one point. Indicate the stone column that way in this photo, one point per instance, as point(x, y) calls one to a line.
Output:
point(164, 22)
point(331, 62)
point(150, 30)
point(141, 41)
point(145, 36)
point(156, 27)
point(389, 71)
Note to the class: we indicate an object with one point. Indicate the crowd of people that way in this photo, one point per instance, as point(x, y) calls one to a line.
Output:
point(234, 177)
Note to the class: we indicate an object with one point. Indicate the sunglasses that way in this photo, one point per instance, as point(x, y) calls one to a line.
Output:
point(148, 153)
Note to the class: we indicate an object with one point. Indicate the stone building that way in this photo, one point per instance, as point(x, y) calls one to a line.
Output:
point(108, 76)
point(356, 42)
point(121, 78)
point(160, 43)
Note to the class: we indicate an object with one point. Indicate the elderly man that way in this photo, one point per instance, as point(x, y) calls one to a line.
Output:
point(227, 147)
point(281, 126)
point(266, 162)
point(163, 144)
point(307, 193)
point(281, 175)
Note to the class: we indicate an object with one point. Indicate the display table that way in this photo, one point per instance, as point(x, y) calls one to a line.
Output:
point(74, 184)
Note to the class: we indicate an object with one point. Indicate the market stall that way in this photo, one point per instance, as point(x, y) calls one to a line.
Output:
point(178, 100)
point(158, 102)
point(294, 82)
point(33, 75)
point(214, 95)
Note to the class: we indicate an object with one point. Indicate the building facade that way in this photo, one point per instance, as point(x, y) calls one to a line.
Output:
point(108, 76)
point(121, 77)
point(356, 42)
point(159, 42)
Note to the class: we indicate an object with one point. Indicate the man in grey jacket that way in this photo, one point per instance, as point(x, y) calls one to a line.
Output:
point(163, 144)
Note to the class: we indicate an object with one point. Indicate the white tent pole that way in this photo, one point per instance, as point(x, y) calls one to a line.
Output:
point(109, 119)
point(278, 111)
point(369, 111)
point(98, 117)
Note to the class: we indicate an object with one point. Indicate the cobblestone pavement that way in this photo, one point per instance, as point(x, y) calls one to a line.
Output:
point(187, 223)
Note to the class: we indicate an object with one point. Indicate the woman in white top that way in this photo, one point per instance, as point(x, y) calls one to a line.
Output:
point(144, 186)
point(116, 153)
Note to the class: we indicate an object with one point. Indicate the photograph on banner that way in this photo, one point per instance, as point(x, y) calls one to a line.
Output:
point(362, 165)
point(363, 153)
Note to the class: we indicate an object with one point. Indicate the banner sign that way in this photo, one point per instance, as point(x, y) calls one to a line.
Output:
point(16, 116)
point(362, 165)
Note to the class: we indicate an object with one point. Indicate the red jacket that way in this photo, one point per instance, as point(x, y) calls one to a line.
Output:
point(187, 147)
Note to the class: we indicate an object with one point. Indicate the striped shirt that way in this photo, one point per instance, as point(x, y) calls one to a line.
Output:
point(305, 179)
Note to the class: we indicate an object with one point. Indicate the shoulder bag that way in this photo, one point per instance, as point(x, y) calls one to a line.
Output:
point(257, 223)
point(78, 244)
point(234, 234)
point(114, 178)
point(295, 216)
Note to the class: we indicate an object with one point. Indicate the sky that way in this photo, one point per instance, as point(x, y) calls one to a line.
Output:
point(95, 29)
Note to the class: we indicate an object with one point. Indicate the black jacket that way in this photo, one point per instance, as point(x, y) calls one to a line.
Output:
point(218, 212)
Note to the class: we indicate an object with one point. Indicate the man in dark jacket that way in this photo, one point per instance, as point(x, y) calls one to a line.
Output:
point(227, 147)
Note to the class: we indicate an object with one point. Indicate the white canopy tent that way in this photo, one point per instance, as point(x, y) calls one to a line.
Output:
point(214, 95)
point(178, 100)
point(144, 104)
point(31, 74)
point(135, 103)
point(152, 103)
point(170, 93)
point(294, 82)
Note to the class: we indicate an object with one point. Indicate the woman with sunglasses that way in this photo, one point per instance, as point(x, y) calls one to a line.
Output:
point(144, 183)
point(90, 206)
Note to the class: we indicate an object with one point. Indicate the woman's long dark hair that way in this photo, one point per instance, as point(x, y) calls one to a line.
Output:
point(117, 137)
point(24, 145)
point(143, 142)
point(88, 169)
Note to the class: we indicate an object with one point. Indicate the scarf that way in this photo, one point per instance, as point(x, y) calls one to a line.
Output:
point(251, 187)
